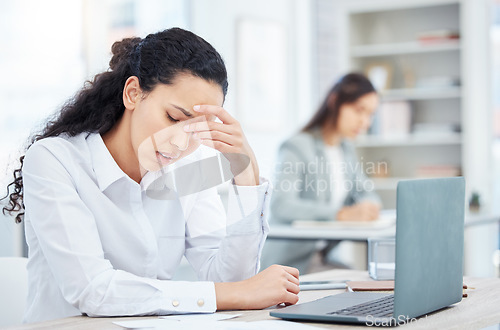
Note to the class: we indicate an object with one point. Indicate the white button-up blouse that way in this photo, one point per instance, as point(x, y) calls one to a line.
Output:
point(99, 245)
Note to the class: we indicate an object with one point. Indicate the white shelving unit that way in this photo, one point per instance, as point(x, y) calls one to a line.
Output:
point(411, 47)
point(413, 94)
point(386, 34)
point(385, 31)
point(371, 141)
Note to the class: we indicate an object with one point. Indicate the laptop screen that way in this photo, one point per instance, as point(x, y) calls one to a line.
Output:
point(429, 245)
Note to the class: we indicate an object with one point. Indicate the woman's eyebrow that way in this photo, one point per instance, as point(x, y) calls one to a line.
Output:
point(184, 111)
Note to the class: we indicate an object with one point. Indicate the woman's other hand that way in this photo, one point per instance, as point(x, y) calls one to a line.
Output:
point(274, 285)
point(363, 211)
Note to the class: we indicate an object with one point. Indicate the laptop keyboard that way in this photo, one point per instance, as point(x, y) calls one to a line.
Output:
point(382, 307)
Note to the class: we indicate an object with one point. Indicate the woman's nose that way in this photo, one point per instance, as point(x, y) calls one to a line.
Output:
point(180, 139)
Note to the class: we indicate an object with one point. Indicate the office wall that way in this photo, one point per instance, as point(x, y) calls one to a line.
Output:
point(10, 237)
point(217, 21)
point(42, 65)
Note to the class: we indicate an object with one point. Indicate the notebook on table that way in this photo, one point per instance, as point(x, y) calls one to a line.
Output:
point(429, 261)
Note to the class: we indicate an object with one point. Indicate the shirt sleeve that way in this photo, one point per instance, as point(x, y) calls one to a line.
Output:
point(287, 204)
point(69, 241)
point(229, 249)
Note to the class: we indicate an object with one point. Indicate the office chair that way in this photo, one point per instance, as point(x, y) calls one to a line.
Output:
point(13, 290)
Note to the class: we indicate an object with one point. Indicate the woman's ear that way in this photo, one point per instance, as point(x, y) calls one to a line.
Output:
point(131, 93)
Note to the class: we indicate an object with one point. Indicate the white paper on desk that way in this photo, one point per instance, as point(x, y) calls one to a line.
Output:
point(265, 325)
point(200, 317)
point(171, 324)
point(146, 323)
point(213, 325)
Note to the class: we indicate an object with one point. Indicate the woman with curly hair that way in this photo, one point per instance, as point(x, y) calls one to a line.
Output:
point(99, 190)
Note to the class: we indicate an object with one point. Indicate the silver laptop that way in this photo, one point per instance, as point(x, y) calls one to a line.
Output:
point(429, 261)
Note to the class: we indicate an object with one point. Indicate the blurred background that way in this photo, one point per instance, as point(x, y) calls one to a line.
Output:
point(436, 64)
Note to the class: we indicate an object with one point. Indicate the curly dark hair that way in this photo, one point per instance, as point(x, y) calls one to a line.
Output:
point(98, 106)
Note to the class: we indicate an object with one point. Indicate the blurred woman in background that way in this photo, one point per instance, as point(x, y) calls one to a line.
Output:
point(318, 175)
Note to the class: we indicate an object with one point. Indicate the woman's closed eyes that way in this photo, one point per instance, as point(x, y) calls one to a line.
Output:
point(172, 119)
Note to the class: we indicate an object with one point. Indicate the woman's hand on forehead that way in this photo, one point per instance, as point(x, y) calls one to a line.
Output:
point(226, 137)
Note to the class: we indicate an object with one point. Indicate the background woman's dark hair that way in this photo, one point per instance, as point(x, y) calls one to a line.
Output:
point(347, 90)
point(158, 58)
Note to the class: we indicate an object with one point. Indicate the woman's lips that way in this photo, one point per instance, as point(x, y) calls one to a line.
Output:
point(165, 158)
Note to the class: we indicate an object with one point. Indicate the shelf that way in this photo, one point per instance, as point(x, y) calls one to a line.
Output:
point(426, 74)
point(412, 94)
point(411, 47)
point(370, 141)
point(374, 7)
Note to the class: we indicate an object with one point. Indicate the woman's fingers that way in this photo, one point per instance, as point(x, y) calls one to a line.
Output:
point(373, 210)
point(226, 137)
point(217, 136)
point(217, 111)
point(222, 137)
point(291, 298)
point(292, 271)
point(207, 126)
point(292, 279)
point(292, 287)
point(214, 135)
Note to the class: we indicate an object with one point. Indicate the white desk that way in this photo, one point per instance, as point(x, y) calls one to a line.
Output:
point(478, 310)
point(478, 219)
point(328, 234)
point(480, 230)
point(360, 233)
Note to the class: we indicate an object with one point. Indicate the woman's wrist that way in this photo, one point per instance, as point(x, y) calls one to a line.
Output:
point(229, 295)
point(247, 178)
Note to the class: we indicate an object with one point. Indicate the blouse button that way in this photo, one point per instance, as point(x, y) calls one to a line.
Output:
point(175, 303)
point(201, 302)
